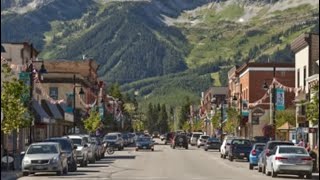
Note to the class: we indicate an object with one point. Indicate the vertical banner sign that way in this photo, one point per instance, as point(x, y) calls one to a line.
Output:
point(245, 108)
point(69, 108)
point(280, 99)
point(101, 111)
point(25, 77)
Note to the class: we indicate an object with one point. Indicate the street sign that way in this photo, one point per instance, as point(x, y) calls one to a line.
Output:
point(258, 112)
point(245, 108)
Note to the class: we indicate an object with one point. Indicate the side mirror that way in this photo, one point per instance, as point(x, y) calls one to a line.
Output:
point(86, 145)
point(75, 147)
point(23, 153)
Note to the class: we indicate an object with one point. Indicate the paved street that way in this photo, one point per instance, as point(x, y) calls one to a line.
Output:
point(164, 164)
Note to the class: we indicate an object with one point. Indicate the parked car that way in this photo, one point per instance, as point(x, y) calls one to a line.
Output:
point(224, 149)
point(100, 150)
point(70, 150)
point(180, 140)
point(194, 138)
point(289, 160)
point(239, 149)
point(82, 149)
point(169, 138)
point(254, 154)
point(269, 146)
point(114, 140)
point(145, 143)
point(202, 140)
point(131, 138)
point(92, 148)
point(212, 143)
point(44, 157)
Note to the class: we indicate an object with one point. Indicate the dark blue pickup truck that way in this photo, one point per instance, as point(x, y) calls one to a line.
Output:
point(239, 149)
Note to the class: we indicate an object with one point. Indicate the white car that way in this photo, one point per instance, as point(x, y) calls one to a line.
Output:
point(194, 138)
point(224, 149)
point(202, 140)
point(289, 160)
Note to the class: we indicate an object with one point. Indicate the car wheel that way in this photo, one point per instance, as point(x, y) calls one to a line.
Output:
point(250, 166)
point(25, 173)
point(137, 149)
point(73, 167)
point(152, 149)
point(301, 176)
point(268, 173)
point(65, 170)
point(198, 146)
point(309, 176)
point(93, 160)
point(187, 147)
point(206, 149)
point(230, 158)
point(273, 174)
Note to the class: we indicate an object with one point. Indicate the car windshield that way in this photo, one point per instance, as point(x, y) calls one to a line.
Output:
point(274, 144)
point(204, 137)
point(241, 142)
point(196, 135)
point(111, 137)
point(292, 150)
point(144, 139)
point(259, 147)
point(213, 140)
point(76, 141)
point(43, 149)
point(65, 144)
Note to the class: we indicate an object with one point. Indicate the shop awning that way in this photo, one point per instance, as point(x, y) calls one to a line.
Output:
point(54, 110)
point(44, 117)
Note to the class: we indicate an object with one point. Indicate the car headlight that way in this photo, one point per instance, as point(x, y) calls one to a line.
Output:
point(26, 161)
point(55, 160)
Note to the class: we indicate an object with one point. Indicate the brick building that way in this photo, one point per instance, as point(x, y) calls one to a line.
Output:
point(245, 89)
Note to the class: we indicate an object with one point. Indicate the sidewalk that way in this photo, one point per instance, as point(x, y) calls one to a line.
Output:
point(10, 175)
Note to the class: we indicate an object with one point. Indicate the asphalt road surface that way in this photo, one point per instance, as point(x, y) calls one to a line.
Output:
point(163, 164)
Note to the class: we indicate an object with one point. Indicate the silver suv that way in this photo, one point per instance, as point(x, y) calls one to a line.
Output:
point(82, 149)
point(115, 140)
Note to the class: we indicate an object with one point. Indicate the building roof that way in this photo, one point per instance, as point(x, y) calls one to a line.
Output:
point(263, 65)
point(302, 41)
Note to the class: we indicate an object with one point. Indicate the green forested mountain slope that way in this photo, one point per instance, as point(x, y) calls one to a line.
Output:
point(165, 49)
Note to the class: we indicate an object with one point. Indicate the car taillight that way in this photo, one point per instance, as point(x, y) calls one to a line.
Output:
point(280, 158)
point(307, 159)
point(254, 152)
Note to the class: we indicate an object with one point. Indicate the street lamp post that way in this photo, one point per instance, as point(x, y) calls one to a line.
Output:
point(240, 108)
point(30, 70)
point(74, 101)
point(266, 87)
point(214, 100)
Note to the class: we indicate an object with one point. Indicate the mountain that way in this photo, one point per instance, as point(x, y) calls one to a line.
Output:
point(165, 49)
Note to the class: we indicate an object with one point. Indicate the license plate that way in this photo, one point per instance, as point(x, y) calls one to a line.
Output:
point(38, 168)
point(241, 154)
point(144, 147)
